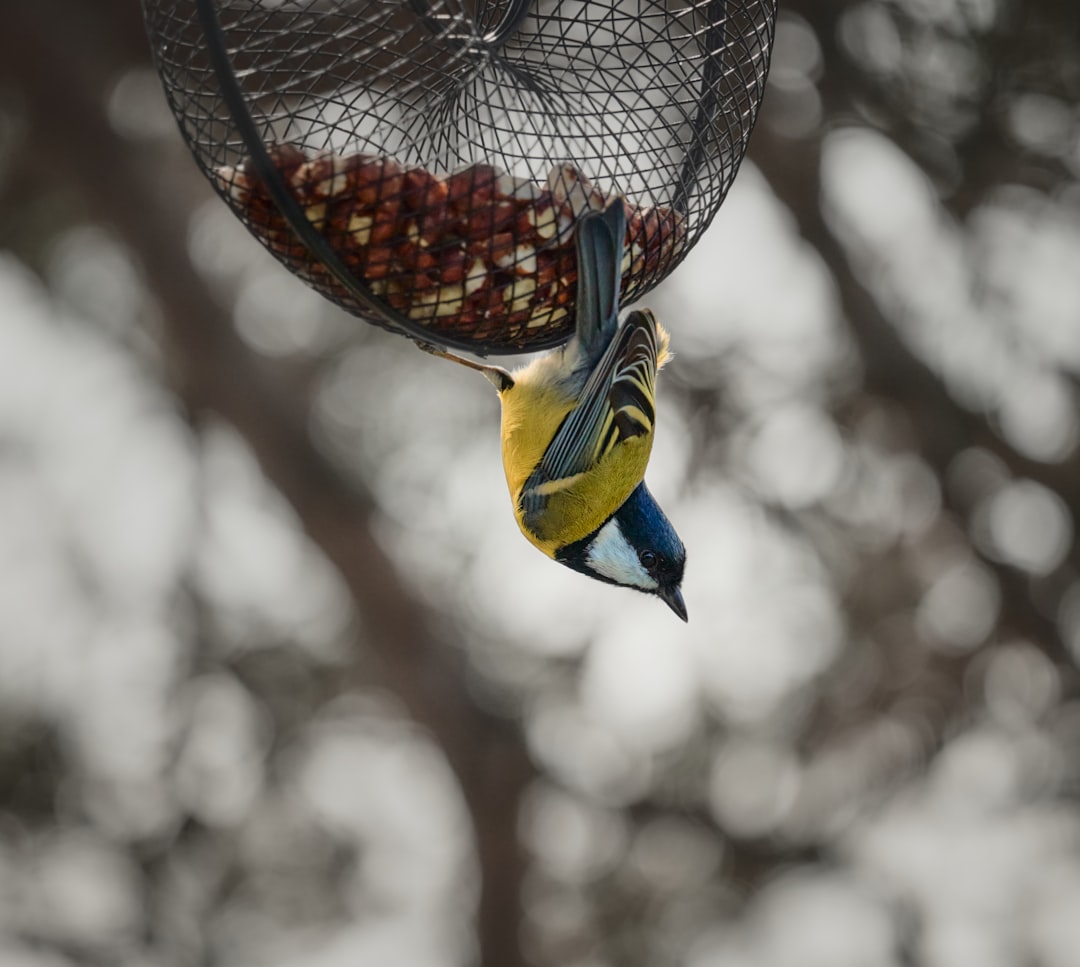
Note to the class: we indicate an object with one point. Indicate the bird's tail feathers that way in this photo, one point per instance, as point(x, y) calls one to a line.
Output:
point(601, 237)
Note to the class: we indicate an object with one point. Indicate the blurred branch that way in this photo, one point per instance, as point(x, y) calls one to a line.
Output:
point(60, 90)
point(1028, 39)
point(891, 369)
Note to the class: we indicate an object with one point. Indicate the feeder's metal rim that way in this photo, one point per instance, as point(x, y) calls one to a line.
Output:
point(298, 222)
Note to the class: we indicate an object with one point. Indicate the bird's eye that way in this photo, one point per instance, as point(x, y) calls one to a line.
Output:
point(648, 560)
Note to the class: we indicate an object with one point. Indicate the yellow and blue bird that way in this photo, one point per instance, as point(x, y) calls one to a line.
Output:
point(577, 431)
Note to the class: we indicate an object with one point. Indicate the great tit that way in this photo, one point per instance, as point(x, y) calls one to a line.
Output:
point(577, 431)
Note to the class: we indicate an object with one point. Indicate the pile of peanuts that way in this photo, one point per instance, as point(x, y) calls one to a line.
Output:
point(478, 253)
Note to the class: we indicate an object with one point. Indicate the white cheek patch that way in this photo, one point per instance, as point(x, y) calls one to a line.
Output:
point(614, 558)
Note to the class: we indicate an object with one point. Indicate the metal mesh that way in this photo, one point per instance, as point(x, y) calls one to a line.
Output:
point(423, 163)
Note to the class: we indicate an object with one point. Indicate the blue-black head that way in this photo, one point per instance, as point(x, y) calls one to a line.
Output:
point(635, 548)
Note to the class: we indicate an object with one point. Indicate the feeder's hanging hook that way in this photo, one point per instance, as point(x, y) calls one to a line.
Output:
point(512, 18)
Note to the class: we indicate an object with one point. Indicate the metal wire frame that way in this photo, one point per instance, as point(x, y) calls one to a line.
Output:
point(650, 99)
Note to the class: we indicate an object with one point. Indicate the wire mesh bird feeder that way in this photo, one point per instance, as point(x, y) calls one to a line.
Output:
point(423, 163)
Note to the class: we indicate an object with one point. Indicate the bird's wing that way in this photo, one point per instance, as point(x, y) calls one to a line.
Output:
point(600, 238)
point(617, 403)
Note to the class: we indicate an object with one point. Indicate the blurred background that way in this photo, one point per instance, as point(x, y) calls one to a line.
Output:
point(281, 684)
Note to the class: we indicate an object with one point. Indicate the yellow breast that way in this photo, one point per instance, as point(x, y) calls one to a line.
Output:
point(532, 411)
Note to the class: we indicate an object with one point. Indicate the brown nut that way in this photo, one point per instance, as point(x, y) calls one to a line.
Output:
point(517, 189)
point(235, 183)
point(472, 187)
point(566, 261)
point(572, 191)
point(525, 259)
point(418, 281)
point(359, 227)
point(422, 259)
point(520, 293)
point(546, 273)
point(465, 321)
point(422, 191)
point(397, 295)
point(438, 223)
point(452, 265)
point(543, 318)
point(379, 262)
point(519, 318)
point(300, 178)
point(500, 247)
point(384, 226)
point(492, 298)
point(539, 220)
point(451, 301)
point(476, 277)
point(316, 214)
point(286, 157)
point(485, 220)
point(406, 243)
point(321, 178)
point(376, 181)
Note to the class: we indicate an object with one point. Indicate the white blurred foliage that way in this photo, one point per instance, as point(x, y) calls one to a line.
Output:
point(20, 956)
point(773, 622)
point(886, 496)
point(1025, 525)
point(973, 852)
point(670, 853)
point(753, 785)
point(1069, 621)
point(253, 563)
point(1039, 292)
point(83, 890)
point(108, 510)
point(406, 942)
point(960, 608)
point(795, 104)
point(796, 456)
point(275, 313)
point(870, 35)
point(993, 351)
point(136, 108)
point(573, 840)
point(220, 762)
point(822, 919)
point(372, 781)
point(776, 309)
point(93, 540)
point(1022, 685)
point(642, 683)
point(582, 754)
point(806, 918)
point(384, 790)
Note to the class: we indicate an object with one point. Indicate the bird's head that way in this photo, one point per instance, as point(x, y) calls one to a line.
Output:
point(636, 548)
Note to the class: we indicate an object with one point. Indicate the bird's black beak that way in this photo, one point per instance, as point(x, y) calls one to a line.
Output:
point(673, 598)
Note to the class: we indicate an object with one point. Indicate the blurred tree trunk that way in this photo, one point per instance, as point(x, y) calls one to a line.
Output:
point(63, 89)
